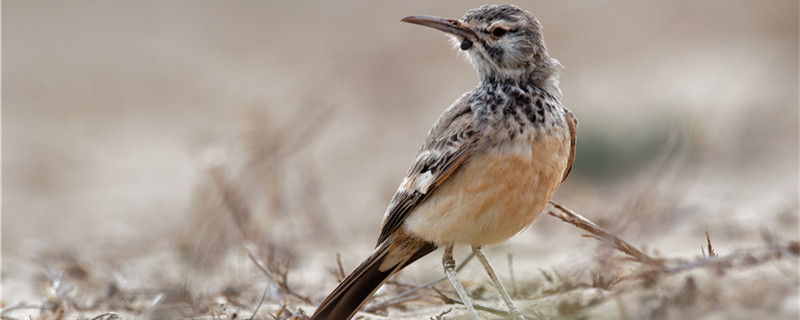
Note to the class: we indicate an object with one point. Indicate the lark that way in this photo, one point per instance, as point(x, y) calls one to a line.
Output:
point(487, 168)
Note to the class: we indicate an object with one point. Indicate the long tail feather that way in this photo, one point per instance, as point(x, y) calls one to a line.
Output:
point(356, 288)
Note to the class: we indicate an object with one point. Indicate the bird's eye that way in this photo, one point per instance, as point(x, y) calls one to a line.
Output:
point(499, 31)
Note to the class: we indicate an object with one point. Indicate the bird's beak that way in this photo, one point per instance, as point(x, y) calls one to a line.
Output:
point(451, 26)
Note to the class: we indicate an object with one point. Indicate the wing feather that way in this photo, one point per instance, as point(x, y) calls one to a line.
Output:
point(573, 136)
point(448, 145)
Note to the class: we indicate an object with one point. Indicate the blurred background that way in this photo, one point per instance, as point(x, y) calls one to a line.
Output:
point(143, 141)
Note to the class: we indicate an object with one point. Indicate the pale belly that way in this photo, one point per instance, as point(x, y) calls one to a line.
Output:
point(494, 195)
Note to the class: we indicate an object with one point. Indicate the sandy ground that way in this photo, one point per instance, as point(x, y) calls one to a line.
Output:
point(126, 124)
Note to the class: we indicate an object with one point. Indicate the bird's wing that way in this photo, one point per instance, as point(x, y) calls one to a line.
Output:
point(573, 136)
point(448, 145)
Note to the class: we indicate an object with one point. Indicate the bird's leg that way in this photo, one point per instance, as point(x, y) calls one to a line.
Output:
point(450, 271)
point(512, 308)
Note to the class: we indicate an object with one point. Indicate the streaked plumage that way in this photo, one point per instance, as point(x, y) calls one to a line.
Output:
point(489, 164)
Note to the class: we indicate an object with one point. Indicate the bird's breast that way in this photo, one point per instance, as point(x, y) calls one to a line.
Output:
point(499, 190)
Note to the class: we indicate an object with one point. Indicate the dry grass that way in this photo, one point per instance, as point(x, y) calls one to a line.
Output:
point(207, 162)
point(656, 288)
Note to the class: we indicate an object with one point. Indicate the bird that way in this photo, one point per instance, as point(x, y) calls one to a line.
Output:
point(488, 166)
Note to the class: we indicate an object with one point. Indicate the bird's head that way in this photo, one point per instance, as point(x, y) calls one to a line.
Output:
point(501, 41)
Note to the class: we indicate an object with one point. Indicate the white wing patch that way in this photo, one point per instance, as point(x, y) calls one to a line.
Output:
point(423, 181)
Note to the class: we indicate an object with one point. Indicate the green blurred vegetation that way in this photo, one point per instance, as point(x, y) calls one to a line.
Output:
point(606, 152)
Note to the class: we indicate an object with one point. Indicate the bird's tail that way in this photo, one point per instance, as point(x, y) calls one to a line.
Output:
point(353, 291)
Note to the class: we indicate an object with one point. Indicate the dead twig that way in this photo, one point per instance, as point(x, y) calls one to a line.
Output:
point(237, 208)
point(108, 316)
point(739, 258)
point(278, 276)
point(711, 252)
point(440, 316)
point(604, 236)
point(280, 311)
point(339, 272)
point(260, 302)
